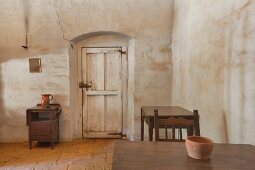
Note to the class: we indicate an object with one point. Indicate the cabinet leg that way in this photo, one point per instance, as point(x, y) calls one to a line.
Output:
point(58, 139)
point(52, 144)
point(30, 144)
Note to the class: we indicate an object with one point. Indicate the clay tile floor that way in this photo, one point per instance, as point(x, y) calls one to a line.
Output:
point(89, 154)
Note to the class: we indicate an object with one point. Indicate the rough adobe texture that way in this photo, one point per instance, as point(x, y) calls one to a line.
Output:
point(214, 66)
point(50, 25)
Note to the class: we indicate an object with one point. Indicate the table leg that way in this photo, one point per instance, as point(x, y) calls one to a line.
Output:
point(196, 121)
point(190, 131)
point(150, 127)
point(58, 131)
point(142, 127)
point(51, 130)
point(30, 144)
point(29, 138)
point(52, 145)
point(52, 139)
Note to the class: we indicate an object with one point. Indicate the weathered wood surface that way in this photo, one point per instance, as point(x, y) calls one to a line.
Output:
point(162, 155)
point(102, 104)
point(166, 110)
point(173, 124)
point(147, 115)
point(43, 129)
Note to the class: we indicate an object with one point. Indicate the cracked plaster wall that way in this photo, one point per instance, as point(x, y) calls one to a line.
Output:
point(214, 66)
point(50, 25)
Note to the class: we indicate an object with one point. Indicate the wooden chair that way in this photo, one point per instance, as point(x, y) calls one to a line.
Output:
point(173, 124)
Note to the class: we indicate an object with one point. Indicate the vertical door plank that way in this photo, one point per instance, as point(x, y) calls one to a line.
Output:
point(125, 118)
point(84, 96)
point(113, 81)
point(95, 113)
point(95, 70)
point(112, 70)
point(113, 116)
point(95, 74)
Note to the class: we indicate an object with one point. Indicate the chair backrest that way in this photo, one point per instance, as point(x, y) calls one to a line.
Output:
point(173, 124)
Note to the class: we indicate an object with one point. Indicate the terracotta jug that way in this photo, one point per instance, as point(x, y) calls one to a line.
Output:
point(46, 98)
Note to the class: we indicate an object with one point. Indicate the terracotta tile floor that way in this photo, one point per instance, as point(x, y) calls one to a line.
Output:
point(91, 154)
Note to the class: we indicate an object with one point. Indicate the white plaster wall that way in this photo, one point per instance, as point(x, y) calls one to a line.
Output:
point(21, 89)
point(50, 26)
point(214, 66)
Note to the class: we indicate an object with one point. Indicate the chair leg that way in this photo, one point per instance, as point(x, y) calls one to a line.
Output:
point(180, 133)
point(173, 133)
point(166, 132)
point(156, 125)
point(189, 131)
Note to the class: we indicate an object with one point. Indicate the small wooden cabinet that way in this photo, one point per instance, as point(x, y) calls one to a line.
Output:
point(43, 124)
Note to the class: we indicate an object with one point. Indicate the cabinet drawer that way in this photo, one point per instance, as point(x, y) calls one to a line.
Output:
point(40, 128)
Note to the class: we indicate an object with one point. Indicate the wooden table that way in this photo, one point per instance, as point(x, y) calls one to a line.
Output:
point(147, 115)
point(164, 155)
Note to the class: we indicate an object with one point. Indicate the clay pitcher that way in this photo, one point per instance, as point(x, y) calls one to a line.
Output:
point(46, 98)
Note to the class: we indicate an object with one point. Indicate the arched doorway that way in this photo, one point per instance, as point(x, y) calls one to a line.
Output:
point(104, 60)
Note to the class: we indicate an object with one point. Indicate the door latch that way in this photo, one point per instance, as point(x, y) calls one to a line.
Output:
point(85, 85)
point(122, 52)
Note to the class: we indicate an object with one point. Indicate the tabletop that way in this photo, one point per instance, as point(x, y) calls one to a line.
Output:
point(173, 155)
point(166, 110)
point(33, 113)
point(38, 108)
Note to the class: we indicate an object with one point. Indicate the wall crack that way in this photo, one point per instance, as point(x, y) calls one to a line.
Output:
point(53, 4)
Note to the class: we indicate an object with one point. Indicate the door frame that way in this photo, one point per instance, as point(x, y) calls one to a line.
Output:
point(100, 39)
point(123, 53)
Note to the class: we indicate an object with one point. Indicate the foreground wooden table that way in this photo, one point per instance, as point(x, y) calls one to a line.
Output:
point(147, 116)
point(173, 155)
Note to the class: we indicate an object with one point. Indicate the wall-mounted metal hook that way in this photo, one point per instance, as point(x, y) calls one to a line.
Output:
point(25, 46)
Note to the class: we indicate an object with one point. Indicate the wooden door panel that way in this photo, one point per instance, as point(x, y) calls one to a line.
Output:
point(112, 116)
point(95, 70)
point(102, 105)
point(104, 93)
point(95, 113)
point(112, 71)
point(113, 82)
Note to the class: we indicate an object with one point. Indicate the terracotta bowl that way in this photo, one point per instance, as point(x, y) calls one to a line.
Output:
point(199, 147)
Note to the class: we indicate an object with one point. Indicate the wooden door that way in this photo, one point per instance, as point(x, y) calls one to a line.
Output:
point(102, 102)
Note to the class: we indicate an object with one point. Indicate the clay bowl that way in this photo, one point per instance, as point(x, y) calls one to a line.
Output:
point(199, 147)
